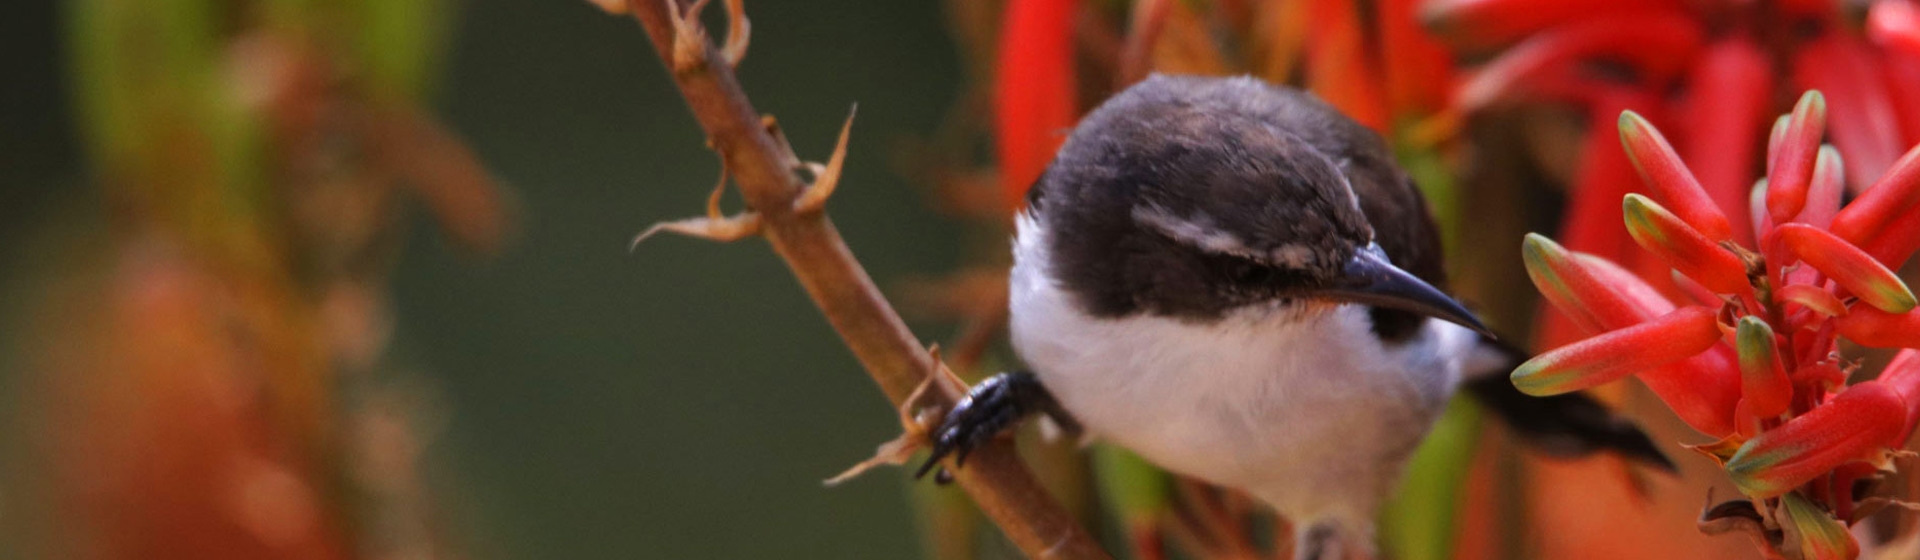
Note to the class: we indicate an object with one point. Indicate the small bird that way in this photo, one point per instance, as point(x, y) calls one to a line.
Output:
point(1236, 282)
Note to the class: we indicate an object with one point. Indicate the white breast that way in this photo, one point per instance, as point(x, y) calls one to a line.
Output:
point(1302, 406)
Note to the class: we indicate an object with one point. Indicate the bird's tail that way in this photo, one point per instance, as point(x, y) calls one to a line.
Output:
point(1569, 425)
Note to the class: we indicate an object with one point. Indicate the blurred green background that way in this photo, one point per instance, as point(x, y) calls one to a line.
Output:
point(683, 401)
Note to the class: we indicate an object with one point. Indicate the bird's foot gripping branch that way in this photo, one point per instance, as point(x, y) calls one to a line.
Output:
point(790, 214)
point(1750, 352)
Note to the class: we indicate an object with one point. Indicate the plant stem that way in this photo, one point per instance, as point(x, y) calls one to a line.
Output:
point(826, 268)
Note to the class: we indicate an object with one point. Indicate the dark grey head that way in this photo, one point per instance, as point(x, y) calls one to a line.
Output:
point(1192, 197)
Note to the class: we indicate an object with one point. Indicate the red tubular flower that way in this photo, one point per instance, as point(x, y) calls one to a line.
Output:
point(1894, 245)
point(1668, 178)
point(1823, 195)
point(1339, 69)
point(1792, 167)
point(1619, 353)
point(1592, 296)
point(1864, 124)
point(1729, 96)
point(1418, 69)
point(1872, 327)
point(1684, 248)
point(1034, 92)
point(1763, 381)
point(1854, 269)
point(1856, 425)
point(1893, 195)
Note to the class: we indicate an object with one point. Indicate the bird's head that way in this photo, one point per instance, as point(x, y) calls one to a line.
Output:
point(1194, 198)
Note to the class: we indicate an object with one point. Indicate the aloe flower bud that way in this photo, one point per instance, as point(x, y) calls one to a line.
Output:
point(1823, 193)
point(1587, 289)
point(1855, 425)
point(1682, 247)
point(1619, 353)
point(1793, 159)
point(1668, 178)
point(1763, 380)
point(1892, 196)
point(1853, 268)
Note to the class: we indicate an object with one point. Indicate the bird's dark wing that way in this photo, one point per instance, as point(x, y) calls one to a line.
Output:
point(1569, 425)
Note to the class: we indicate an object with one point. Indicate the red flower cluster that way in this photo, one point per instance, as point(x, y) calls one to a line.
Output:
point(1705, 71)
point(1751, 355)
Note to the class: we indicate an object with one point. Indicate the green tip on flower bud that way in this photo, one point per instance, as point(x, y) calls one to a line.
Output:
point(1682, 247)
point(1763, 379)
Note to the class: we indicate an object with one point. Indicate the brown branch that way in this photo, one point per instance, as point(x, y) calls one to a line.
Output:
point(813, 249)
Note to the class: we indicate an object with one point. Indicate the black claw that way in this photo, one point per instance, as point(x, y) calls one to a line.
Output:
point(991, 408)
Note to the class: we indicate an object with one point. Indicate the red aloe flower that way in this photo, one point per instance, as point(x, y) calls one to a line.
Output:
point(1034, 90)
point(1801, 433)
point(1893, 195)
point(1669, 178)
point(1615, 354)
point(1790, 170)
point(1853, 268)
point(1686, 249)
point(1762, 378)
point(1855, 426)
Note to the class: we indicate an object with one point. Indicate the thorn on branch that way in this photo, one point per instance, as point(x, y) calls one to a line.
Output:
point(726, 229)
point(825, 178)
point(714, 226)
point(915, 433)
point(689, 38)
point(739, 30)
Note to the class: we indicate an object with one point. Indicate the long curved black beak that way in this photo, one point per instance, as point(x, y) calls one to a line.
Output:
point(1371, 279)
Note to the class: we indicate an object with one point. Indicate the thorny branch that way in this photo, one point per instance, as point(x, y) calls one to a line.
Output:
point(787, 212)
